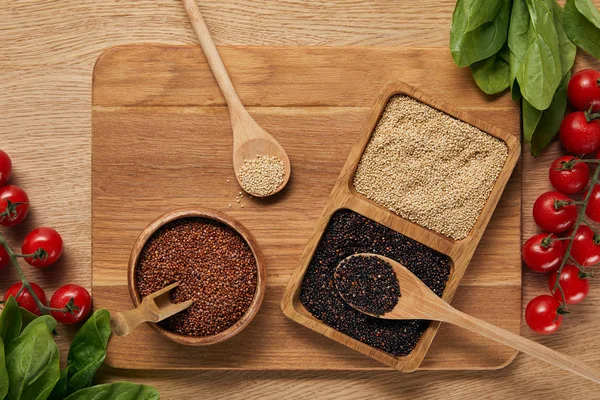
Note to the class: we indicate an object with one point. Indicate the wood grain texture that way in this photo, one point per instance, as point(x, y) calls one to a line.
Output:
point(152, 104)
point(344, 196)
point(48, 52)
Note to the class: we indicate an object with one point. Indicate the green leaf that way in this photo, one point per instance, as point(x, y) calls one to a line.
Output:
point(32, 363)
point(581, 27)
point(512, 78)
point(567, 49)
point(540, 72)
point(492, 74)
point(479, 12)
point(88, 350)
point(27, 317)
point(10, 321)
point(468, 47)
point(44, 319)
point(540, 127)
point(3, 372)
point(116, 391)
point(60, 389)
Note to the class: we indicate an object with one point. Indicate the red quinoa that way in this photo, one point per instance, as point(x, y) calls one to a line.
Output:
point(214, 266)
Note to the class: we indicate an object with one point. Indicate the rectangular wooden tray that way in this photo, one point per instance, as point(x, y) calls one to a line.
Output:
point(344, 196)
point(161, 140)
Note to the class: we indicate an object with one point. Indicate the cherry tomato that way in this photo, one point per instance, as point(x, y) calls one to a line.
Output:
point(541, 314)
point(574, 287)
point(43, 238)
point(580, 134)
point(25, 299)
point(593, 208)
point(553, 213)
point(4, 259)
point(543, 254)
point(14, 205)
point(5, 168)
point(569, 177)
point(584, 90)
point(81, 300)
point(586, 246)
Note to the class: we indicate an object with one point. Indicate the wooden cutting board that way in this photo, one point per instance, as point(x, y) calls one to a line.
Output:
point(161, 140)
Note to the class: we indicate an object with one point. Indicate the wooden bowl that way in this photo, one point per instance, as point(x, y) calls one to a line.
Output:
point(237, 227)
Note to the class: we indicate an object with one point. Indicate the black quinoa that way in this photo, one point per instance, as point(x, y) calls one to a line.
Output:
point(214, 266)
point(368, 284)
point(350, 233)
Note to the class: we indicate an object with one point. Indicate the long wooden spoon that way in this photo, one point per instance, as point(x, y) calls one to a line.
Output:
point(417, 301)
point(249, 138)
point(154, 308)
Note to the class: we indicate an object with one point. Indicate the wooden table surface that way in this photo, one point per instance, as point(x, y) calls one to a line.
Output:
point(47, 52)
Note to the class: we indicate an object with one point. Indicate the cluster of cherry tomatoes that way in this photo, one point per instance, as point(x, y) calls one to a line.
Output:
point(556, 213)
point(41, 248)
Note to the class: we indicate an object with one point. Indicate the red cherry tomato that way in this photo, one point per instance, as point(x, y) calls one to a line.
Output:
point(586, 246)
point(553, 213)
point(43, 238)
point(569, 177)
point(574, 287)
point(4, 259)
point(543, 254)
point(81, 300)
point(584, 90)
point(25, 299)
point(579, 134)
point(541, 314)
point(5, 168)
point(14, 205)
point(593, 208)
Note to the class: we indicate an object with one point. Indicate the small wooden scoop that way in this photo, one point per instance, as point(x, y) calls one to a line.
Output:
point(417, 301)
point(249, 138)
point(154, 308)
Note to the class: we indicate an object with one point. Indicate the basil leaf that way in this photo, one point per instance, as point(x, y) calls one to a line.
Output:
point(27, 317)
point(567, 49)
point(10, 321)
point(32, 363)
point(478, 12)
point(60, 389)
point(3, 372)
point(468, 47)
point(44, 319)
point(492, 74)
point(117, 390)
point(540, 72)
point(581, 27)
point(548, 121)
point(88, 350)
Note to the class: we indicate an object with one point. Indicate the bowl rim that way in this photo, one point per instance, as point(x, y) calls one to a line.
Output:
point(214, 215)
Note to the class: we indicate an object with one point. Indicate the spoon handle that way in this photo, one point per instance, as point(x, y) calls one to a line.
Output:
point(212, 54)
point(522, 344)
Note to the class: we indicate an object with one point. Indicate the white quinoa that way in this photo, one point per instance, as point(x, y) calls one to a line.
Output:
point(429, 167)
point(261, 176)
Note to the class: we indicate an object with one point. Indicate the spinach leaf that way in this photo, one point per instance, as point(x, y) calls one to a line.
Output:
point(539, 127)
point(27, 317)
point(88, 350)
point(540, 72)
point(116, 391)
point(492, 74)
point(44, 319)
point(518, 42)
point(60, 389)
point(32, 363)
point(478, 12)
point(580, 24)
point(468, 47)
point(566, 48)
point(10, 321)
point(3, 372)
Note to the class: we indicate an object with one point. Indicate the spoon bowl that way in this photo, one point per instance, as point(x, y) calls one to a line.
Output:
point(417, 301)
